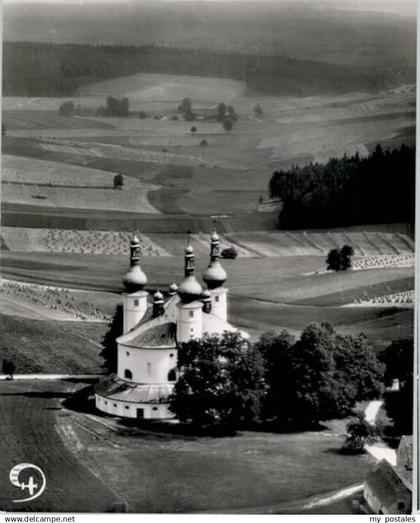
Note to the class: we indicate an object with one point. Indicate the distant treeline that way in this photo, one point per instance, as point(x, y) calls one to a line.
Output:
point(42, 69)
point(348, 191)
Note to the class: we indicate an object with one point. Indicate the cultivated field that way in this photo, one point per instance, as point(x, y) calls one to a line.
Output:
point(37, 345)
point(146, 88)
point(59, 204)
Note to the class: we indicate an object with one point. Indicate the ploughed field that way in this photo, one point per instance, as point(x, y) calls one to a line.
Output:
point(266, 294)
point(66, 226)
point(175, 173)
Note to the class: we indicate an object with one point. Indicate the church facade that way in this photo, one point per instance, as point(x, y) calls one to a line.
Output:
point(148, 347)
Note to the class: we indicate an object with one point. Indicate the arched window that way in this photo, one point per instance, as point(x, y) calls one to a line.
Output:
point(172, 375)
point(128, 374)
point(149, 368)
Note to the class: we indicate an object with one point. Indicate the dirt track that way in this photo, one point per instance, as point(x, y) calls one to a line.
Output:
point(29, 434)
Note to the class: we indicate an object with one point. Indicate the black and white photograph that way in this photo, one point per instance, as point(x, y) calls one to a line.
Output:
point(208, 257)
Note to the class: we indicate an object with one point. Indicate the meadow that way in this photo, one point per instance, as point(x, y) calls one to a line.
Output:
point(254, 471)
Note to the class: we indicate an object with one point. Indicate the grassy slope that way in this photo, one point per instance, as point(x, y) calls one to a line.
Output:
point(50, 346)
point(250, 470)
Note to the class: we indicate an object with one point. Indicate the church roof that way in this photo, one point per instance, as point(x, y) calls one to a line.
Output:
point(114, 388)
point(162, 335)
point(386, 484)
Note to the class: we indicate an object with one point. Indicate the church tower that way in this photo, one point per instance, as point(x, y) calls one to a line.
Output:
point(135, 298)
point(215, 276)
point(189, 322)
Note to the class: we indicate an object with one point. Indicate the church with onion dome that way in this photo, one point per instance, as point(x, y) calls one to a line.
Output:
point(152, 333)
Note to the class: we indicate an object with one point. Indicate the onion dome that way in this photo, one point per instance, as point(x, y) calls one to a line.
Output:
point(189, 289)
point(215, 275)
point(205, 295)
point(215, 237)
point(135, 279)
point(158, 302)
point(173, 287)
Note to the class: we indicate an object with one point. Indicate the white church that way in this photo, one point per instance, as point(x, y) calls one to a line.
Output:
point(147, 349)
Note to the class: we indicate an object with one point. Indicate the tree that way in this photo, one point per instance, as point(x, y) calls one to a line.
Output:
point(66, 109)
point(203, 143)
point(398, 358)
point(346, 253)
point(221, 381)
point(143, 115)
point(359, 432)
point(118, 181)
point(189, 116)
point(115, 107)
point(333, 260)
point(185, 109)
point(227, 124)
point(340, 259)
point(109, 352)
point(231, 113)
point(229, 253)
point(258, 111)
point(8, 368)
point(193, 129)
point(221, 112)
point(275, 350)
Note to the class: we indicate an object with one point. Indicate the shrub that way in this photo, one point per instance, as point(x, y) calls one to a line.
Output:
point(229, 253)
point(359, 433)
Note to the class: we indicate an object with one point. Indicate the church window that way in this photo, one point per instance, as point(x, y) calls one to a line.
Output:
point(216, 298)
point(106, 403)
point(192, 329)
point(127, 407)
point(149, 368)
point(114, 405)
point(191, 314)
point(136, 302)
point(154, 408)
point(171, 355)
point(128, 374)
point(172, 375)
point(128, 354)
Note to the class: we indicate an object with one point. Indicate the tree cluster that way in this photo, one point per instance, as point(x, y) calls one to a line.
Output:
point(320, 376)
point(292, 383)
point(340, 259)
point(115, 107)
point(185, 110)
point(349, 190)
point(66, 109)
point(221, 381)
point(398, 358)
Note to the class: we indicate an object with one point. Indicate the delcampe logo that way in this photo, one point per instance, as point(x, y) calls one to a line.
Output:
point(30, 477)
